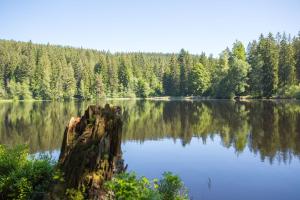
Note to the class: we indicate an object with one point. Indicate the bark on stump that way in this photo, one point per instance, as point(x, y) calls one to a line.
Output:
point(90, 152)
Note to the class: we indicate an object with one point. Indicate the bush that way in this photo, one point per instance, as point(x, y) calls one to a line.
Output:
point(73, 194)
point(292, 91)
point(26, 177)
point(142, 88)
point(128, 186)
point(21, 176)
point(171, 187)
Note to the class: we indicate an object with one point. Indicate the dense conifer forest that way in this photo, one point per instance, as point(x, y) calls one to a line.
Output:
point(267, 67)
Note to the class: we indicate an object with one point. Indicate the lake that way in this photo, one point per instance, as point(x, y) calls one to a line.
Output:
point(221, 149)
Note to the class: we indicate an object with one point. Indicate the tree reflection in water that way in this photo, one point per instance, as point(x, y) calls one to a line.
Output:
point(267, 128)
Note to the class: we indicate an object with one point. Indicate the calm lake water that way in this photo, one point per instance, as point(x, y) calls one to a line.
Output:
point(221, 149)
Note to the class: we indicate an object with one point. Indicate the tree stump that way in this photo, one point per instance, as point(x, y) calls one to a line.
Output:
point(90, 152)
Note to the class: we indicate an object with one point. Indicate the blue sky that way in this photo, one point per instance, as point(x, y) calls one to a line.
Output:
point(151, 26)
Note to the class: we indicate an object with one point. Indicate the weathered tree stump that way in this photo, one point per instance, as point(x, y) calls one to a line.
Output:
point(90, 152)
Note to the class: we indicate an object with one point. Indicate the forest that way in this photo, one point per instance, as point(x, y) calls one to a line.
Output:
point(267, 68)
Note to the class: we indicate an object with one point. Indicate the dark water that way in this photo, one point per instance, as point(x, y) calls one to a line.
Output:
point(221, 149)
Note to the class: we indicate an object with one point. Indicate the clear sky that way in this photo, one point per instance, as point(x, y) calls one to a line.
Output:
point(152, 26)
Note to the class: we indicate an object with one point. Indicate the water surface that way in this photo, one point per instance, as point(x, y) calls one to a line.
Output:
point(221, 149)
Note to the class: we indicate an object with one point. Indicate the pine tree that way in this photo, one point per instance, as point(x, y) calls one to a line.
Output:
point(296, 45)
point(124, 73)
point(68, 84)
point(172, 78)
point(255, 72)
point(99, 86)
point(287, 73)
point(86, 78)
point(100, 65)
point(55, 72)
point(41, 81)
point(184, 61)
point(268, 50)
point(112, 75)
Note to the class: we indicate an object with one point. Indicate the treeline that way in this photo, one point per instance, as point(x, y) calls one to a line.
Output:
point(269, 67)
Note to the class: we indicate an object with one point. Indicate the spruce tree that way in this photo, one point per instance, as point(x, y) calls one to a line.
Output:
point(268, 50)
point(287, 73)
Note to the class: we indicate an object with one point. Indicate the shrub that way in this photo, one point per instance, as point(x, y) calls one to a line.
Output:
point(27, 177)
point(73, 194)
point(171, 187)
point(292, 91)
point(142, 88)
point(22, 176)
point(128, 186)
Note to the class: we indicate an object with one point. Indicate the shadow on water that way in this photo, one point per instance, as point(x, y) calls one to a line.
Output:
point(268, 128)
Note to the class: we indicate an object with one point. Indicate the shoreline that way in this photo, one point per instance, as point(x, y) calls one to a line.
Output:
point(160, 98)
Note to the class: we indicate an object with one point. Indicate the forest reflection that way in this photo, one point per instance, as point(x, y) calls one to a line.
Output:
point(267, 128)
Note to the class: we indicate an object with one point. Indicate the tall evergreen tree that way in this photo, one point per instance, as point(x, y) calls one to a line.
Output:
point(287, 72)
point(41, 81)
point(172, 78)
point(268, 50)
point(255, 72)
point(99, 86)
point(296, 44)
point(124, 73)
point(184, 61)
point(112, 74)
point(68, 83)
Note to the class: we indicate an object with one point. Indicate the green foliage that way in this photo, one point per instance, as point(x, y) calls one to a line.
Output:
point(239, 69)
point(287, 71)
point(269, 56)
point(296, 47)
point(255, 71)
point(292, 91)
point(237, 77)
point(99, 86)
point(22, 177)
point(41, 79)
point(142, 88)
point(199, 80)
point(19, 90)
point(238, 51)
point(124, 73)
point(185, 64)
point(55, 72)
point(171, 187)
point(129, 186)
point(73, 194)
point(171, 78)
point(67, 82)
